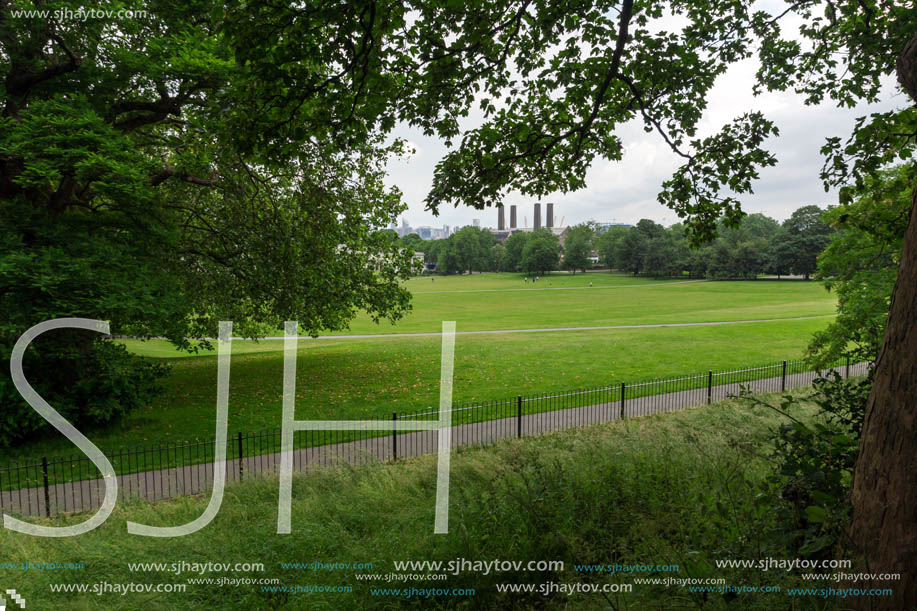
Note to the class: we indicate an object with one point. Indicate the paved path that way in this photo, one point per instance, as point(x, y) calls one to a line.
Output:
point(502, 423)
point(552, 329)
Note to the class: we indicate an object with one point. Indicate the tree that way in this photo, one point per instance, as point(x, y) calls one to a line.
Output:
point(472, 249)
point(750, 258)
point(781, 254)
point(884, 504)
point(807, 221)
point(758, 226)
point(433, 249)
point(807, 235)
point(656, 261)
point(126, 197)
point(577, 250)
point(698, 262)
point(650, 229)
point(515, 244)
point(446, 261)
point(578, 247)
point(666, 255)
point(631, 250)
point(486, 261)
point(860, 265)
point(541, 252)
point(607, 242)
point(679, 251)
point(720, 261)
point(499, 258)
point(414, 243)
point(745, 249)
point(805, 253)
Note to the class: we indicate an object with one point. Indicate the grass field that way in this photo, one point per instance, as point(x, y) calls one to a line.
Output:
point(680, 489)
point(502, 301)
point(356, 378)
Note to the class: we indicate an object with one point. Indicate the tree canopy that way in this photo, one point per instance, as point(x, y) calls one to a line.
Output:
point(860, 265)
point(541, 252)
point(578, 247)
point(514, 245)
point(133, 191)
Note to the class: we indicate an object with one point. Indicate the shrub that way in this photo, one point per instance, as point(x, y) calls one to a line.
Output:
point(813, 464)
point(90, 383)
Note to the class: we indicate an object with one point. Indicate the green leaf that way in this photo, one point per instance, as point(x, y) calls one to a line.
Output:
point(816, 514)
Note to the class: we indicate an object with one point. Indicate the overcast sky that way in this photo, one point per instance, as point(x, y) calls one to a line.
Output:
point(626, 191)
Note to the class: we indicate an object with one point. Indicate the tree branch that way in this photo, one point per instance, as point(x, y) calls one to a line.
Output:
point(19, 83)
point(623, 25)
point(169, 172)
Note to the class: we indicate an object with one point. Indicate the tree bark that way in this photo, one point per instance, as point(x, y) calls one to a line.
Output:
point(884, 496)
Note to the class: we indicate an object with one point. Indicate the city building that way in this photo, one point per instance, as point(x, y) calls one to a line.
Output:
point(603, 227)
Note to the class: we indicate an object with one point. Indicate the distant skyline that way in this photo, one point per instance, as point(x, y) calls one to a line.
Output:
point(490, 223)
point(626, 191)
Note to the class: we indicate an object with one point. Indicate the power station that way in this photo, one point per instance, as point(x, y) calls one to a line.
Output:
point(549, 221)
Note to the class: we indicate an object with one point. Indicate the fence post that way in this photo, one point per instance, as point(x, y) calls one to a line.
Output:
point(240, 455)
point(847, 374)
point(519, 416)
point(783, 380)
point(622, 400)
point(44, 472)
point(709, 387)
point(394, 436)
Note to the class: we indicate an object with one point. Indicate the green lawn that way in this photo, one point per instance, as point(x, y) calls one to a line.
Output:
point(502, 301)
point(359, 378)
point(680, 490)
point(349, 379)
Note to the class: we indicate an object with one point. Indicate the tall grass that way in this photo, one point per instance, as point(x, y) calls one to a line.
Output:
point(682, 489)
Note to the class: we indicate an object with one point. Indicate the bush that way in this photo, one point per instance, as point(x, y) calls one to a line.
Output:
point(813, 464)
point(90, 382)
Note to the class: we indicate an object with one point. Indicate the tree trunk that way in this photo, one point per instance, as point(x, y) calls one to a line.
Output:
point(884, 496)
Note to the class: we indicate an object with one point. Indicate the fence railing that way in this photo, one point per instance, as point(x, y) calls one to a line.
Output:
point(49, 486)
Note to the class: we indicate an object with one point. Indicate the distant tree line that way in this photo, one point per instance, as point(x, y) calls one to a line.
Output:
point(472, 249)
point(759, 245)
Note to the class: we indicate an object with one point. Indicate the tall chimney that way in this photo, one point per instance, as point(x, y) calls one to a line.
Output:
point(501, 218)
point(512, 216)
point(537, 216)
point(549, 216)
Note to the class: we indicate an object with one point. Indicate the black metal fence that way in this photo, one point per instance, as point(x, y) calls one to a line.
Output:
point(49, 486)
